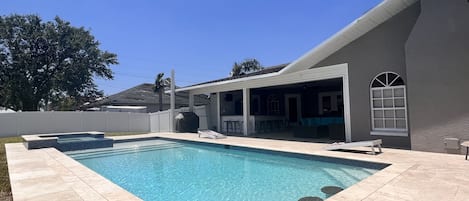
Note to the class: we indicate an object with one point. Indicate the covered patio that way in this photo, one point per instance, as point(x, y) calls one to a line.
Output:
point(308, 105)
point(301, 110)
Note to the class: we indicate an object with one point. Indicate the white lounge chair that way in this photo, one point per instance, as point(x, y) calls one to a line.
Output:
point(370, 143)
point(210, 134)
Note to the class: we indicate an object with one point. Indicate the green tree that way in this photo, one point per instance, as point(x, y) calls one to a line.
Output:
point(41, 61)
point(246, 67)
point(160, 84)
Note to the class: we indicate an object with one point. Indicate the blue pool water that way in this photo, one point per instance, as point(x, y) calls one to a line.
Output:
point(164, 170)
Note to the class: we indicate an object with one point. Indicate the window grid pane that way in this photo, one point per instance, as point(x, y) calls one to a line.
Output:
point(387, 93)
point(379, 113)
point(388, 108)
point(377, 94)
point(398, 92)
point(388, 103)
point(377, 103)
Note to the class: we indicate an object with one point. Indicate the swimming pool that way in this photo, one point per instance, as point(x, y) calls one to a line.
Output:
point(167, 170)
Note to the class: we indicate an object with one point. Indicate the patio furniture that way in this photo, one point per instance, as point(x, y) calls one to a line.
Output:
point(321, 121)
point(229, 126)
point(369, 143)
point(263, 126)
point(279, 124)
point(270, 125)
point(210, 134)
point(238, 126)
point(233, 126)
point(466, 144)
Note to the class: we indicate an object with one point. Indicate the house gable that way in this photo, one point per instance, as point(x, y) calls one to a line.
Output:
point(379, 50)
point(369, 21)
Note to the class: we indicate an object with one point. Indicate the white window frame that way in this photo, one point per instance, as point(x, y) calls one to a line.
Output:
point(388, 131)
point(334, 101)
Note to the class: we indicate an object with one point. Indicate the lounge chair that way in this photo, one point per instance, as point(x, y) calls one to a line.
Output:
point(210, 134)
point(369, 143)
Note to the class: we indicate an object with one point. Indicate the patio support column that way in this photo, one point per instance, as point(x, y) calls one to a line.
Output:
point(173, 102)
point(218, 113)
point(191, 102)
point(246, 110)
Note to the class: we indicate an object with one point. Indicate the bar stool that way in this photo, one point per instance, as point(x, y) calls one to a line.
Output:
point(229, 124)
point(257, 126)
point(238, 126)
point(270, 125)
point(262, 126)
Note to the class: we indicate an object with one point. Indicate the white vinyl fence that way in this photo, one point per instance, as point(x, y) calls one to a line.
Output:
point(23, 123)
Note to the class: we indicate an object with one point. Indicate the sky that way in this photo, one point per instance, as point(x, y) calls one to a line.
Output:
point(199, 39)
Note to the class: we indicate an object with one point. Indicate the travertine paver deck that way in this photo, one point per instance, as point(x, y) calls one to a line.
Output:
point(413, 175)
point(47, 174)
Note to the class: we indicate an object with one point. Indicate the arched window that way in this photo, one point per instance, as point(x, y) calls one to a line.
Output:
point(388, 105)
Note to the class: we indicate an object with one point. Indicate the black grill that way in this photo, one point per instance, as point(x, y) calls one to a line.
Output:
point(187, 122)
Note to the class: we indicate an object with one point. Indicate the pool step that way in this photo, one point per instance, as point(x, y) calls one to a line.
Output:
point(123, 150)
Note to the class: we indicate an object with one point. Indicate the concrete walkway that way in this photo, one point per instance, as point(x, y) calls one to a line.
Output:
point(47, 173)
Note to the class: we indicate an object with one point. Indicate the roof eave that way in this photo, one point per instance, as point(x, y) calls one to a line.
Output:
point(244, 79)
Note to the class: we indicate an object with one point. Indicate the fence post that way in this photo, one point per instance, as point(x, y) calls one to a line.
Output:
point(17, 124)
point(105, 121)
point(128, 121)
point(159, 123)
point(82, 117)
point(149, 122)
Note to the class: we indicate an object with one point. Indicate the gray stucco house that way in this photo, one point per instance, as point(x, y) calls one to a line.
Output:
point(400, 73)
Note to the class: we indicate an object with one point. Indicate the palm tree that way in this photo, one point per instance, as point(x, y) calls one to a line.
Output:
point(236, 70)
point(160, 84)
point(246, 67)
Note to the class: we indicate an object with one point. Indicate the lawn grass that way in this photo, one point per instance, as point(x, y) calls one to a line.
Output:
point(5, 189)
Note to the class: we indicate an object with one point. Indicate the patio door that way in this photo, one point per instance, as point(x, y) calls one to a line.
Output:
point(293, 108)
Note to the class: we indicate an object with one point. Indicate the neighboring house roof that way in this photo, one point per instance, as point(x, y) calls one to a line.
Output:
point(371, 19)
point(126, 107)
point(143, 95)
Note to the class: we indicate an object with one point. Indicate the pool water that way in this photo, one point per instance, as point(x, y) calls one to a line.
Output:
point(77, 139)
point(164, 170)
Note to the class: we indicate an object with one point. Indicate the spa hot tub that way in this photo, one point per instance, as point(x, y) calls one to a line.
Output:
point(68, 141)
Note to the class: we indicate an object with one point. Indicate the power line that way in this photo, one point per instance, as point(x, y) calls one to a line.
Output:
point(147, 77)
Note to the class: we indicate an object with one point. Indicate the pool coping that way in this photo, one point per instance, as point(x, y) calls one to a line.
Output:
point(53, 136)
point(398, 181)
